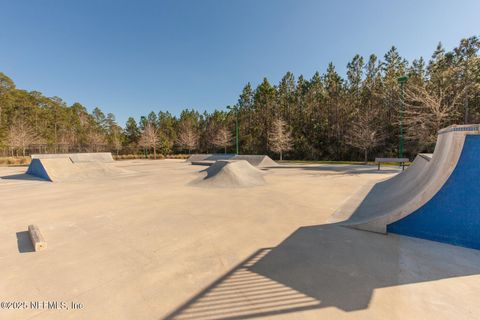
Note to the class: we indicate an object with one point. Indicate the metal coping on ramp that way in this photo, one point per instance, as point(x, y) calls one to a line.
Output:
point(426, 156)
point(465, 127)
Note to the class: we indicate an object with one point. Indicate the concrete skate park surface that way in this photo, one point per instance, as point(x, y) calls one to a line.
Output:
point(149, 246)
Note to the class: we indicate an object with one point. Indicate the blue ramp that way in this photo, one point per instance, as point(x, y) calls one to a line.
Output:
point(453, 214)
point(37, 169)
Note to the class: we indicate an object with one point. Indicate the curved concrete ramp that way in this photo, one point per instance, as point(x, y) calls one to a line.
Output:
point(63, 169)
point(78, 157)
point(231, 174)
point(433, 199)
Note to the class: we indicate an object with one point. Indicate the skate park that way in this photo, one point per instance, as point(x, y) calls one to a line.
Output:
point(236, 160)
point(236, 239)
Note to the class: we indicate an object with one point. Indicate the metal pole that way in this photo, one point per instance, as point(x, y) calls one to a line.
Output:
point(236, 130)
point(236, 110)
point(401, 119)
point(402, 81)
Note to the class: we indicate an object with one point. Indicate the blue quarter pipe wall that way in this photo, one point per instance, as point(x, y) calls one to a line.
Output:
point(36, 169)
point(453, 214)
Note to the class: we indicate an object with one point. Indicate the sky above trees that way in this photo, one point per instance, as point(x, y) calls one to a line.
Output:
point(131, 57)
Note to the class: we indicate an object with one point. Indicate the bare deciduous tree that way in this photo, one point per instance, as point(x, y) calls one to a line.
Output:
point(150, 138)
point(117, 141)
point(280, 137)
point(426, 113)
point(96, 140)
point(365, 133)
point(187, 138)
point(222, 138)
point(66, 139)
point(21, 135)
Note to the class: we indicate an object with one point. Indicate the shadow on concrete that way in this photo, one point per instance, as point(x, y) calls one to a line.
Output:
point(22, 176)
point(24, 243)
point(325, 266)
point(348, 169)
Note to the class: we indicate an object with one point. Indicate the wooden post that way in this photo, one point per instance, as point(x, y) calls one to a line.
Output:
point(37, 238)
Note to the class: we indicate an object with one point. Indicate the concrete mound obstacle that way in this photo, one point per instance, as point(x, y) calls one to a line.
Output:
point(231, 174)
point(78, 157)
point(436, 198)
point(58, 169)
point(261, 161)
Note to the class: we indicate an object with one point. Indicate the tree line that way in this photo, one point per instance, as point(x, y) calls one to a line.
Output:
point(327, 117)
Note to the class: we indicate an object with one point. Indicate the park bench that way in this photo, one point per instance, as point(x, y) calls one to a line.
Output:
point(401, 161)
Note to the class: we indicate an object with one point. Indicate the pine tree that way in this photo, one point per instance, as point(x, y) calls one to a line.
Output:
point(131, 132)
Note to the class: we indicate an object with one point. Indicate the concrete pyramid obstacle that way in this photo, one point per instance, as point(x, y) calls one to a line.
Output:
point(260, 161)
point(231, 174)
point(435, 199)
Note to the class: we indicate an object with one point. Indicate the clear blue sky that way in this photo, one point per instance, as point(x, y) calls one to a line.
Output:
point(131, 57)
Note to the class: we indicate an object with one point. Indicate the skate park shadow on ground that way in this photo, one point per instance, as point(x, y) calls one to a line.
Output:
point(347, 169)
point(24, 243)
point(21, 176)
point(325, 266)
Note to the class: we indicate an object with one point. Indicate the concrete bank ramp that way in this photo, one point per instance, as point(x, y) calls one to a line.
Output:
point(63, 169)
point(78, 157)
point(53, 169)
point(230, 174)
point(209, 157)
point(435, 198)
point(261, 161)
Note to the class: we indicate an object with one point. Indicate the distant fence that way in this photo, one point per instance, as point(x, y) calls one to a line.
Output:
point(124, 153)
point(9, 151)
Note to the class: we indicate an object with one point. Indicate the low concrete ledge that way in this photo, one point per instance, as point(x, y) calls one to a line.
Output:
point(203, 163)
point(38, 241)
